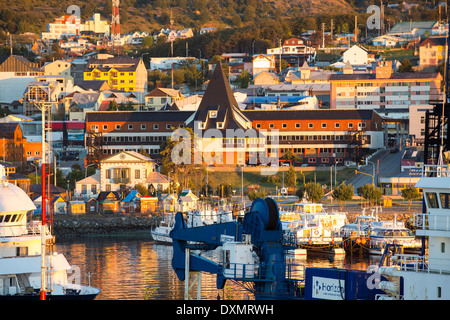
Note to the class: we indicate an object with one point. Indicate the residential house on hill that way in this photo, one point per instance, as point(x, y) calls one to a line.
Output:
point(432, 51)
point(157, 98)
point(262, 63)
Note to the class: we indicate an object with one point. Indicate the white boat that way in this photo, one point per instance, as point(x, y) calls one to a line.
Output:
point(359, 228)
point(21, 258)
point(162, 232)
point(425, 276)
point(392, 232)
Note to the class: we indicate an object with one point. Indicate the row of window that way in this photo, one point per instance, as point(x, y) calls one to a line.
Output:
point(97, 74)
point(432, 200)
point(388, 84)
point(320, 150)
point(135, 139)
point(143, 126)
point(323, 125)
point(10, 218)
point(314, 137)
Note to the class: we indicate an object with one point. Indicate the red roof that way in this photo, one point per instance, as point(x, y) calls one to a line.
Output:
point(104, 105)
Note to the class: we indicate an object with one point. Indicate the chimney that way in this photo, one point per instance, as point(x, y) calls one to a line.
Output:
point(384, 70)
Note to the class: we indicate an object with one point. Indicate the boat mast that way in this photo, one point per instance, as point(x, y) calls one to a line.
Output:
point(43, 209)
point(43, 292)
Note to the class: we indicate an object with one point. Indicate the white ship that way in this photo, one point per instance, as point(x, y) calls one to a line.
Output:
point(425, 276)
point(20, 253)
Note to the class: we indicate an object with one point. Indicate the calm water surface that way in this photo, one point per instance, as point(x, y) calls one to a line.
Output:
point(123, 267)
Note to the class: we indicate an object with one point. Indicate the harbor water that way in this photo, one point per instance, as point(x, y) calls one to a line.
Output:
point(134, 267)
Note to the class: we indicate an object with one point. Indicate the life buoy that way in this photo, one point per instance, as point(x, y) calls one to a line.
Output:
point(291, 225)
point(316, 232)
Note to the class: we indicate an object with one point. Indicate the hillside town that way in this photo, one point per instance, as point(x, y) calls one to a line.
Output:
point(111, 114)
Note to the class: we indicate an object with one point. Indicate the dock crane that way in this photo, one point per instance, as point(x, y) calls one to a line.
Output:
point(253, 252)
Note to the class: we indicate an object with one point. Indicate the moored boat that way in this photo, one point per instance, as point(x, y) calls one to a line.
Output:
point(392, 232)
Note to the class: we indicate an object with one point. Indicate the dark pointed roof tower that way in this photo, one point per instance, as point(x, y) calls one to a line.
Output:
point(218, 108)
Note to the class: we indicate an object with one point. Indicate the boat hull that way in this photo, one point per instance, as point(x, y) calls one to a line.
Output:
point(50, 297)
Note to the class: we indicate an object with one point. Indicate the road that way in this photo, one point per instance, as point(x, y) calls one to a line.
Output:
point(389, 165)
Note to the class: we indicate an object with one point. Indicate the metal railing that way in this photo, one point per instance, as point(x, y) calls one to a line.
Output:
point(416, 263)
point(435, 222)
point(436, 171)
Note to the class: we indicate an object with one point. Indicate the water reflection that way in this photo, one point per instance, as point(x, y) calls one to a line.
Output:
point(123, 267)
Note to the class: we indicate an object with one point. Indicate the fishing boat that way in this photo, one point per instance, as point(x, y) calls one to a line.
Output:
point(359, 228)
point(313, 228)
point(21, 254)
point(424, 276)
point(392, 232)
point(161, 232)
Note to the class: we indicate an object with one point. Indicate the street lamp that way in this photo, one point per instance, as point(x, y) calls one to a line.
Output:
point(367, 174)
point(373, 168)
point(301, 172)
point(35, 171)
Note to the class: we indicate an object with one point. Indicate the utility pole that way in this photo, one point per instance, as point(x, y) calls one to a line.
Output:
point(356, 29)
point(331, 27)
point(323, 34)
point(279, 45)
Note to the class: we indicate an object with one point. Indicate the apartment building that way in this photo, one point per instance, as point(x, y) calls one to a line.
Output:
point(321, 136)
point(66, 25)
point(121, 73)
point(383, 89)
point(111, 132)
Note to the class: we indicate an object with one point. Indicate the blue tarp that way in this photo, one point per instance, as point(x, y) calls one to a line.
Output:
point(130, 196)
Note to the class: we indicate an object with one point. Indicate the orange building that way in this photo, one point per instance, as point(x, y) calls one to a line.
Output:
point(14, 147)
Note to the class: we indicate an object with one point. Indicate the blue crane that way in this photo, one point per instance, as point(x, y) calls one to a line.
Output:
point(268, 278)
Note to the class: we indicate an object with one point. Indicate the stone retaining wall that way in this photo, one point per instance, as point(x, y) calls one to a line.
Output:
point(70, 225)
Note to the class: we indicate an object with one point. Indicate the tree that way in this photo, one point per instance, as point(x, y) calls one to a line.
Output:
point(291, 177)
point(410, 194)
point(244, 79)
point(406, 66)
point(147, 42)
point(179, 156)
point(313, 191)
point(342, 194)
point(370, 193)
point(252, 195)
point(142, 189)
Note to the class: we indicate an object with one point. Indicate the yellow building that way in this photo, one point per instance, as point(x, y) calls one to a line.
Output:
point(121, 73)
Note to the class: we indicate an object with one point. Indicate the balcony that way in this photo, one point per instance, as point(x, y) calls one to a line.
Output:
point(121, 180)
